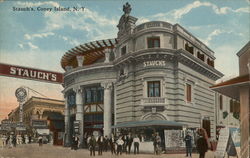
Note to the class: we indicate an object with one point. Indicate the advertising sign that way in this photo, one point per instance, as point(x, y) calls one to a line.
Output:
point(222, 143)
point(30, 73)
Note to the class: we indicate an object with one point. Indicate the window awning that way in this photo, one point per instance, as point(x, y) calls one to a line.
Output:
point(147, 123)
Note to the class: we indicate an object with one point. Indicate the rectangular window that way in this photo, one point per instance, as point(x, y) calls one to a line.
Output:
point(221, 102)
point(93, 95)
point(188, 92)
point(232, 105)
point(123, 50)
point(154, 42)
point(154, 89)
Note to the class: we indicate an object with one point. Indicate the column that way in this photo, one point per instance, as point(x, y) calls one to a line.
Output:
point(67, 123)
point(79, 113)
point(107, 115)
point(21, 112)
point(107, 55)
point(80, 60)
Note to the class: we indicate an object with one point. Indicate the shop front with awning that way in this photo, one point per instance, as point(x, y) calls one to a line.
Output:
point(146, 129)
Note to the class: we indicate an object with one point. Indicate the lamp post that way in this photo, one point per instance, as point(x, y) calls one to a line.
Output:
point(21, 95)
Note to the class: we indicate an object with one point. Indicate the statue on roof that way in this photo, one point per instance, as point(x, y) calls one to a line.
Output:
point(126, 22)
point(127, 8)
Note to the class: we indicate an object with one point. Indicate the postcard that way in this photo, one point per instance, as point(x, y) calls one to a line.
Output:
point(134, 78)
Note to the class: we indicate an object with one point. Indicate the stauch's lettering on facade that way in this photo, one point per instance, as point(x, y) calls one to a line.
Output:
point(30, 73)
point(154, 63)
point(33, 74)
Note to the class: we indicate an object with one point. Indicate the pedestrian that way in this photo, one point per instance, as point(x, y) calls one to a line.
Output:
point(29, 139)
point(129, 142)
point(188, 143)
point(136, 141)
point(75, 142)
point(26, 139)
point(157, 144)
point(100, 143)
point(11, 141)
point(23, 139)
point(112, 142)
point(119, 143)
point(40, 140)
point(92, 144)
point(125, 139)
point(7, 140)
point(88, 140)
point(4, 138)
point(14, 141)
point(106, 143)
point(201, 146)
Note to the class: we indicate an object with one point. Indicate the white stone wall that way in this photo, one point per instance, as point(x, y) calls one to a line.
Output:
point(229, 121)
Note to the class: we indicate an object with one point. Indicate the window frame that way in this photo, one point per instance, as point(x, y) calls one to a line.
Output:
point(123, 50)
point(188, 94)
point(154, 92)
point(152, 40)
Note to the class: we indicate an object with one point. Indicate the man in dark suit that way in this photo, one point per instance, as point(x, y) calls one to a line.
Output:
point(188, 142)
point(92, 144)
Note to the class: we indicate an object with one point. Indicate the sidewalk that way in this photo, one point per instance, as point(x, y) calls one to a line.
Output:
point(49, 151)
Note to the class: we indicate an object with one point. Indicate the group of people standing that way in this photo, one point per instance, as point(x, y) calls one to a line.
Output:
point(117, 144)
point(201, 143)
point(13, 140)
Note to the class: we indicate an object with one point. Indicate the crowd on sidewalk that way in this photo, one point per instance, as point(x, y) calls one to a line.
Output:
point(12, 140)
point(123, 143)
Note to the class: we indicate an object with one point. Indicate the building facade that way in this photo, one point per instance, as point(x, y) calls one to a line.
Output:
point(153, 71)
point(42, 115)
point(227, 111)
point(239, 89)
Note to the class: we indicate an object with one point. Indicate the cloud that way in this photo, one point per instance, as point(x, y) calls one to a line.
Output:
point(175, 15)
point(243, 10)
point(20, 45)
point(216, 32)
point(32, 46)
point(70, 40)
point(41, 35)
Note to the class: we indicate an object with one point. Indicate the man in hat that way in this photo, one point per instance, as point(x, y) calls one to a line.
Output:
point(188, 142)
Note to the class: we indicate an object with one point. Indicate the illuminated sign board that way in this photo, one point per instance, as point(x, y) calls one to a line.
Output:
point(30, 73)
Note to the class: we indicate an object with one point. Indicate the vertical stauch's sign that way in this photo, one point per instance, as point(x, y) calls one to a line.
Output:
point(30, 73)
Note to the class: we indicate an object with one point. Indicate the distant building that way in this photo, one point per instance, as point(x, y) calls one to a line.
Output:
point(42, 116)
point(153, 76)
point(239, 89)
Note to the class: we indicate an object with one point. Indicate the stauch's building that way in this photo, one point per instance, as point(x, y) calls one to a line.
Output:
point(153, 76)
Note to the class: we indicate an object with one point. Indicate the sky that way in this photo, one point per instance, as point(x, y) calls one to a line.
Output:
point(39, 39)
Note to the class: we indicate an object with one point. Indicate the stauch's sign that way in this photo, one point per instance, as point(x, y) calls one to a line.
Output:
point(30, 73)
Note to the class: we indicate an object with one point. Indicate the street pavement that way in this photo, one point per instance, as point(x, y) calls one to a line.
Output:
point(50, 151)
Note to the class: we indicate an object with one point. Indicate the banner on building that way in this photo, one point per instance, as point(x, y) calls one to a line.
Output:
point(30, 73)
